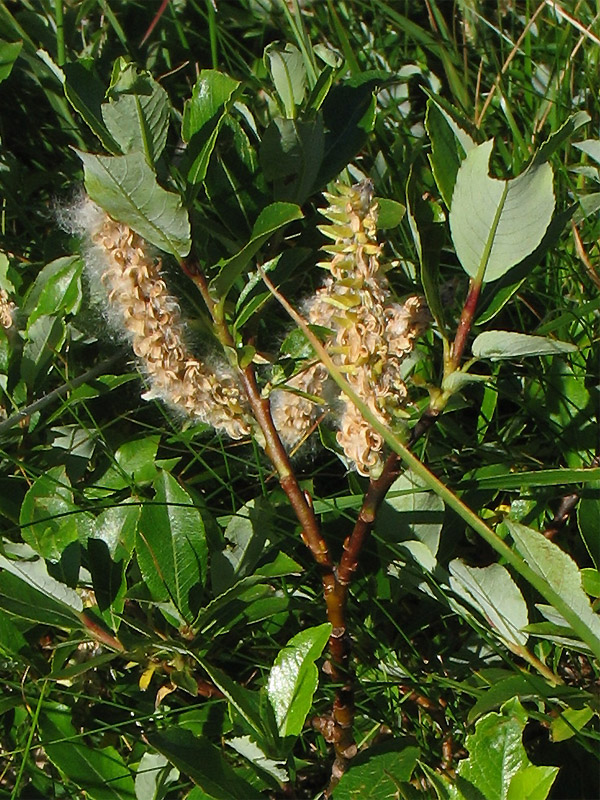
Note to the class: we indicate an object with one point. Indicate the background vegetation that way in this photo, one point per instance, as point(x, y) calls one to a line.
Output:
point(474, 662)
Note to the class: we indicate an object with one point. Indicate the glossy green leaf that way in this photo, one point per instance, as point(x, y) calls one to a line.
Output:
point(48, 514)
point(117, 527)
point(203, 763)
point(289, 76)
point(492, 591)
point(497, 345)
point(563, 578)
point(570, 722)
point(9, 52)
point(203, 117)
point(271, 219)
point(127, 189)
point(135, 465)
point(293, 678)
point(376, 773)
point(137, 110)
point(498, 766)
point(57, 288)
point(171, 547)
point(100, 771)
point(495, 223)
point(210, 96)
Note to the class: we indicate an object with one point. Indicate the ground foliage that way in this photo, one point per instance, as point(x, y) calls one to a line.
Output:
point(162, 624)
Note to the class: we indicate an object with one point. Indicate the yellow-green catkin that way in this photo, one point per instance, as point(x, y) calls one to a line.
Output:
point(371, 336)
point(140, 305)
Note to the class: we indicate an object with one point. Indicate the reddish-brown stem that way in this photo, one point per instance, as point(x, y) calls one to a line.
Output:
point(464, 325)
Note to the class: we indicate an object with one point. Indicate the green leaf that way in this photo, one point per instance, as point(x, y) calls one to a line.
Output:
point(590, 147)
point(101, 772)
point(57, 288)
point(349, 116)
point(211, 93)
point(137, 112)
point(563, 578)
point(9, 52)
point(291, 154)
point(293, 678)
point(45, 337)
point(258, 716)
point(377, 773)
point(246, 535)
point(135, 465)
point(153, 776)
point(428, 235)
point(497, 345)
point(171, 547)
point(48, 515)
point(203, 116)
point(270, 219)
point(570, 722)
point(492, 591)
point(495, 223)
point(85, 93)
point(390, 213)
point(500, 686)
point(557, 138)
point(588, 517)
point(498, 766)
point(412, 515)
point(288, 74)
point(201, 761)
point(126, 188)
point(117, 527)
point(449, 145)
point(29, 592)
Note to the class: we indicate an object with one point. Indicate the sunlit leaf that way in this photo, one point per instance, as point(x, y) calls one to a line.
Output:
point(127, 189)
point(495, 223)
point(293, 678)
point(497, 345)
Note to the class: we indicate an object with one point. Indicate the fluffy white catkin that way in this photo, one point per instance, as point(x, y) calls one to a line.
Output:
point(371, 335)
point(140, 306)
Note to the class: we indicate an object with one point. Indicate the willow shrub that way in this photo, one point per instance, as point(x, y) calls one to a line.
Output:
point(236, 252)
